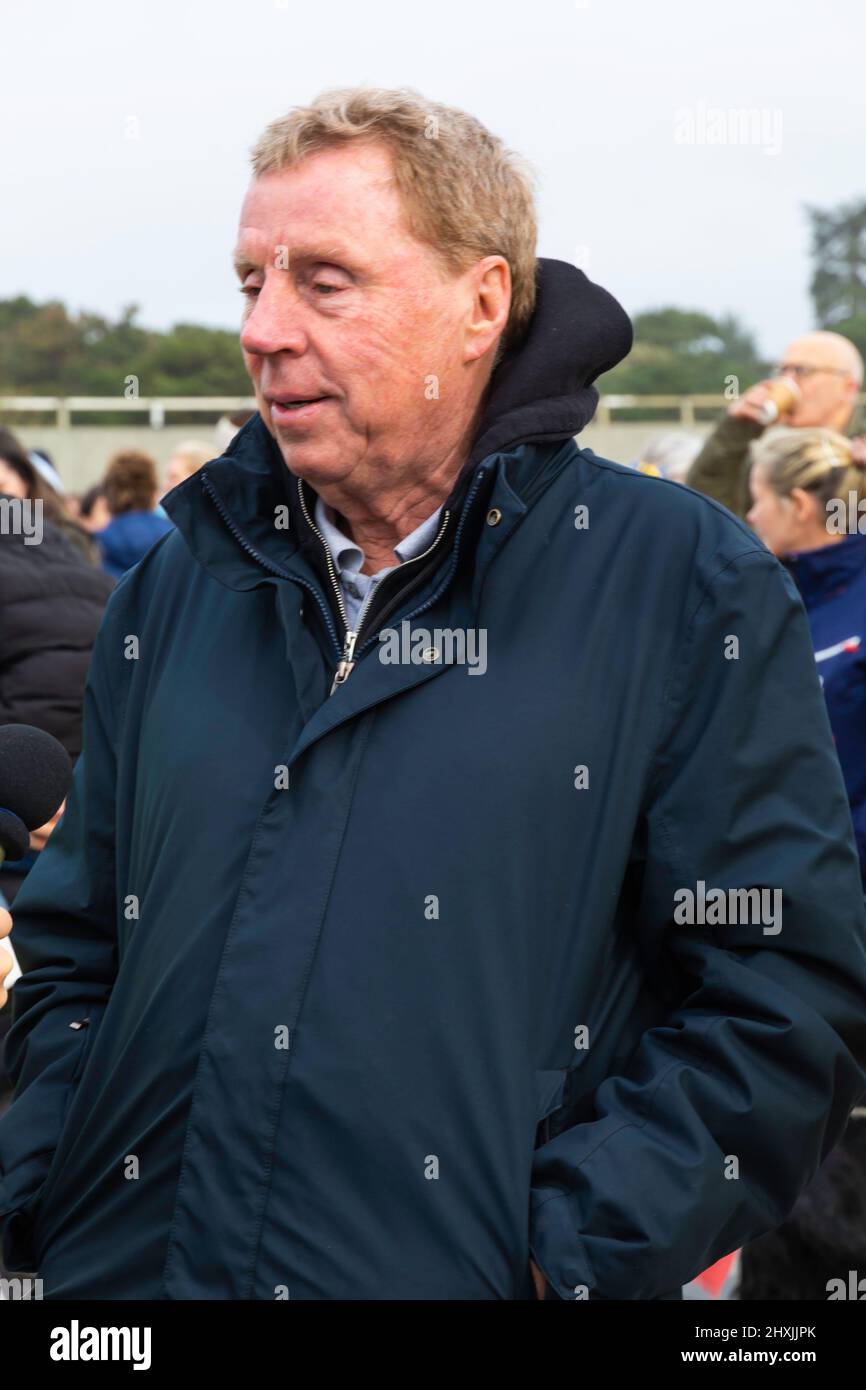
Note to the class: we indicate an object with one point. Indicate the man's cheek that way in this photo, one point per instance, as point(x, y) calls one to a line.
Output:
point(252, 363)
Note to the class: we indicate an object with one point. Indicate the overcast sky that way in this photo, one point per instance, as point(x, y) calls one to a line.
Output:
point(126, 128)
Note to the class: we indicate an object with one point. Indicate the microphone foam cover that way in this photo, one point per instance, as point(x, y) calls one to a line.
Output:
point(14, 836)
point(35, 771)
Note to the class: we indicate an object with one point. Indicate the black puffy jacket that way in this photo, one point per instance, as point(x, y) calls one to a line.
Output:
point(51, 604)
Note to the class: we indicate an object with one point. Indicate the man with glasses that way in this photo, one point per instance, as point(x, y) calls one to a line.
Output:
point(828, 372)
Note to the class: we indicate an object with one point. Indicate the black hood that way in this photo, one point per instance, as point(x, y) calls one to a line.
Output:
point(542, 389)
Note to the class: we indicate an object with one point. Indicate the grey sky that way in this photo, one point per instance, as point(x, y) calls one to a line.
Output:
point(596, 93)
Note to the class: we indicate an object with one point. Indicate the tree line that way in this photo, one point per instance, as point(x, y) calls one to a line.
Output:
point(46, 350)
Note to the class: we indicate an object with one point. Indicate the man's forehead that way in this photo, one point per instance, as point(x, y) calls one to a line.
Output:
point(816, 348)
point(325, 179)
point(308, 209)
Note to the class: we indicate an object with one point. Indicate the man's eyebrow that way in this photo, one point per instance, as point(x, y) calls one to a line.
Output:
point(333, 254)
point(241, 262)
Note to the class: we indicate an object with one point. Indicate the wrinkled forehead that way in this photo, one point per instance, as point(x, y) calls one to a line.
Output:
point(344, 197)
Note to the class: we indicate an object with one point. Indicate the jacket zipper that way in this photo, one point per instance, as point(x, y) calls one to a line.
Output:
point(346, 654)
point(268, 564)
point(346, 664)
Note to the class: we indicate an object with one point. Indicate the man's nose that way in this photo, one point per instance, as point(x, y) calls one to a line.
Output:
point(274, 323)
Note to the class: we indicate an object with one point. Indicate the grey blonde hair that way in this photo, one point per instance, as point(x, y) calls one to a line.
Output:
point(195, 454)
point(819, 461)
point(464, 193)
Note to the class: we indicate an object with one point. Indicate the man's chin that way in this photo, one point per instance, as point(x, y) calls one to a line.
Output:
point(807, 420)
point(311, 460)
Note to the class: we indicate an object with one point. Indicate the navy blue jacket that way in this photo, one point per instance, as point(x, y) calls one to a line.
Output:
point(385, 990)
point(832, 582)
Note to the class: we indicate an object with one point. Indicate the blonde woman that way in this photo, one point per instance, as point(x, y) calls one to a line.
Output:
point(808, 490)
point(187, 459)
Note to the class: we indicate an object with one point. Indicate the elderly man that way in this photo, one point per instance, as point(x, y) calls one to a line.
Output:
point(828, 372)
point(361, 968)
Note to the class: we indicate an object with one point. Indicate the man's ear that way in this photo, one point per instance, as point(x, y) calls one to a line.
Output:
point(490, 282)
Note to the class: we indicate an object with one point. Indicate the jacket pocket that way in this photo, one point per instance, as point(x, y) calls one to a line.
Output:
point(84, 1029)
point(549, 1098)
point(29, 1226)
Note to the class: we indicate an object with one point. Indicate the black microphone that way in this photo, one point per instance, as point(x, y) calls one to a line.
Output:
point(35, 771)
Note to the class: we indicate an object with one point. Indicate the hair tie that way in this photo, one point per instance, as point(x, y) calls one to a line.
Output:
point(852, 457)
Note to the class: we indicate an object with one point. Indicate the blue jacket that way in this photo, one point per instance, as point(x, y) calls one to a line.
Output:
point(832, 582)
point(127, 538)
point(383, 991)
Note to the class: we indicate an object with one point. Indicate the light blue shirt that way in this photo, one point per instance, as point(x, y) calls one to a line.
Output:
point(349, 557)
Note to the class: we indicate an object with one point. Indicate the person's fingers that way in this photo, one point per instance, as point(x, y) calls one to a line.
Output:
point(537, 1279)
point(756, 395)
point(748, 410)
point(5, 967)
point(42, 834)
point(5, 957)
point(750, 404)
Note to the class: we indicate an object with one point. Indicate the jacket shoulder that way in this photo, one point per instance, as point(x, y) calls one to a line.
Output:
point(686, 523)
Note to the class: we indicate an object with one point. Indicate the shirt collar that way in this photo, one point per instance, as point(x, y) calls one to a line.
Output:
point(350, 557)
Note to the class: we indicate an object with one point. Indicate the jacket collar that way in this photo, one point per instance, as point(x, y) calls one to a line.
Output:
point(542, 390)
point(829, 570)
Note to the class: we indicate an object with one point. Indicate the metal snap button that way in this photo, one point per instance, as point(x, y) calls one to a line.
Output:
point(494, 516)
point(430, 654)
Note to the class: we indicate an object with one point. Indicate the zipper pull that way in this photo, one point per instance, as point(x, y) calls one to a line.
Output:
point(346, 664)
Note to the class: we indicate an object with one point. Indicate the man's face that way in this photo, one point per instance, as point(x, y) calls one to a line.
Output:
point(828, 394)
point(346, 308)
point(176, 471)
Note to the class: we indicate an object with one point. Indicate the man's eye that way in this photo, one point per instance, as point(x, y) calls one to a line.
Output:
point(249, 289)
point(322, 285)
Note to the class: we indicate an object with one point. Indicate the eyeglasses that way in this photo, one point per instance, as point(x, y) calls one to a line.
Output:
point(801, 371)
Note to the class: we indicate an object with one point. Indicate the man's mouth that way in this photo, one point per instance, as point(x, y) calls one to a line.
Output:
point(292, 408)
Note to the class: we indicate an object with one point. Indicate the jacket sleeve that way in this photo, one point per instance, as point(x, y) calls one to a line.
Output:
point(727, 1108)
point(720, 470)
point(65, 938)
